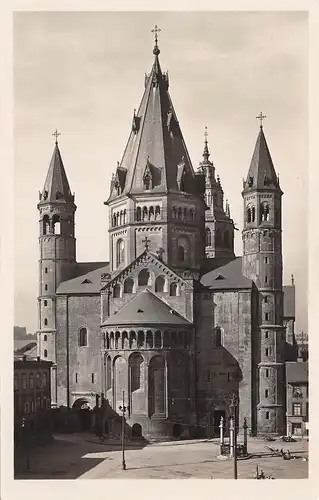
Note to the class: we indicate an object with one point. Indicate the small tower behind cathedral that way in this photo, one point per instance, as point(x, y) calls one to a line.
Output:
point(262, 263)
point(57, 253)
point(219, 227)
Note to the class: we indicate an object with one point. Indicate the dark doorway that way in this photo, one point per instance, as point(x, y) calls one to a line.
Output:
point(217, 416)
point(177, 430)
point(82, 410)
point(136, 431)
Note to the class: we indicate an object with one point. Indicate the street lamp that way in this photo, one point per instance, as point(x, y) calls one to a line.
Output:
point(123, 409)
point(233, 407)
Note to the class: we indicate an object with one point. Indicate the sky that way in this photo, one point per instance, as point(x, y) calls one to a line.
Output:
point(83, 73)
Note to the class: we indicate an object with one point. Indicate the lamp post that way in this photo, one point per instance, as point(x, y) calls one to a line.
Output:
point(245, 426)
point(123, 409)
point(233, 406)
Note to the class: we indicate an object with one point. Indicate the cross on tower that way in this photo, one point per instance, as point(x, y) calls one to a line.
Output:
point(156, 30)
point(206, 134)
point(146, 241)
point(261, 117)
point(56, 133)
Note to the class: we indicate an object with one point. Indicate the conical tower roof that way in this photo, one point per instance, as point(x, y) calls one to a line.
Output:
point(261, 174)
point(56, 186)
point(155, 147)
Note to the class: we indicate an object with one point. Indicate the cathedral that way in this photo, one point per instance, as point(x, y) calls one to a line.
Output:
point(175, 326)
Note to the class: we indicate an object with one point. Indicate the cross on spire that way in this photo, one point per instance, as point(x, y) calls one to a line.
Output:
point(156, 30)
point(261, 118)
point(146, 241)
point(56, 133)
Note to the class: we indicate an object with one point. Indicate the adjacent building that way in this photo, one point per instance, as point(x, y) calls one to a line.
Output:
point(297, 415)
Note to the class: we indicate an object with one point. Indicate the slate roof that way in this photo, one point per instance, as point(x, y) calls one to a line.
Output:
point(89, 283)
point(228, 276)
point(56, 186)
point(289, 301)
point(261, 167)
point(155, 140)
point(147, 309)
point(296, 372)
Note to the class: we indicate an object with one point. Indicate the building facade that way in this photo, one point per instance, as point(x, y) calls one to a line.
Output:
point(175, 324)
point(297, 415)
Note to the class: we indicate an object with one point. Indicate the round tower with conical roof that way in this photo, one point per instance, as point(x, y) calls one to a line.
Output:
point(262, 263)
point(57, 254)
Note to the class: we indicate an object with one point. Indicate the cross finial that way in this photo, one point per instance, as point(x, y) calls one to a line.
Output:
point(56, 133)
point(146, 241)
point(156, 30)
point(261, 118)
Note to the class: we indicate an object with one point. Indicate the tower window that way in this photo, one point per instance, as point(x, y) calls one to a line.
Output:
point(266, 299)
point(56, 224)
point(46, 270)
point(264, 212)
point(267, 415)
point(266, 279)
point(266, 335)
point(147, 182)
point(45, 338)
point(92, 377)
point(218, 336)
point(267, 351)
point(266, 393)
point(45, 287)
point(46, 224)
point(267, 373)
point(45, 321)
point(76, 378)
point(119, 252)
point(83, 337)
point(248, 214)
point(266, 260)
point(45, 302)
point(253, 214)
point(45, 353)
point(266, 316)
point(208, 237)
point(181, 253)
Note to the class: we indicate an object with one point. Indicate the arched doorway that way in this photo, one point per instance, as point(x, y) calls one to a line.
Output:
point(82, 409)
point(177, 430)
point(137, 431)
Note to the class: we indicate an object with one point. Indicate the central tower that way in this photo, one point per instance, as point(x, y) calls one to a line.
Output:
point(156, 198)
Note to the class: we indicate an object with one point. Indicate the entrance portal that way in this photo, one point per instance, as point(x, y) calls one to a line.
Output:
point(136, 431)
point(217, 416)
point(82, 409)
point(177, 430)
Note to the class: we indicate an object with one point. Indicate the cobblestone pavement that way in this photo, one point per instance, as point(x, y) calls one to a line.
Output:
point(78, 456)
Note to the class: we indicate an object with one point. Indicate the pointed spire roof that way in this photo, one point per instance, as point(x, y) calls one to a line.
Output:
point(156, 141)
point(56, 186)
point(261, 174)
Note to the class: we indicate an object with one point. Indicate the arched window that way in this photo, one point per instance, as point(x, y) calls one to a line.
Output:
point(56, 224)
point(46, 270)
point(253, 214)
point(45, 287)
point(128, 285)
point(185, 214)
point(218, 336)
point(117, 218)
point(121, 217)
point(174, 212)
point(159, 284)
point(181, 253)
point(151, 214)
point(144, 213)
point(114, 220)
point(140, 339)
point(191, 214)
point(124, 216)
point(179, 213)
point(138, 214)
point(147, 182)
point(45, 321)
point(248, 214)
point(264, 212)
point(45, 353)
point(226, 239)
point(119, 252)
point(46, 224)
point(157, 385)
point(108, 373)
point(208, 235)
point(117, 291)
point(158, 340)
point(149, 340)
point(173, 289)
point(136, 363)
point(45, 338)
point(45, 303)
point(83, 337)
point(157, 212)
point(143, 277)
